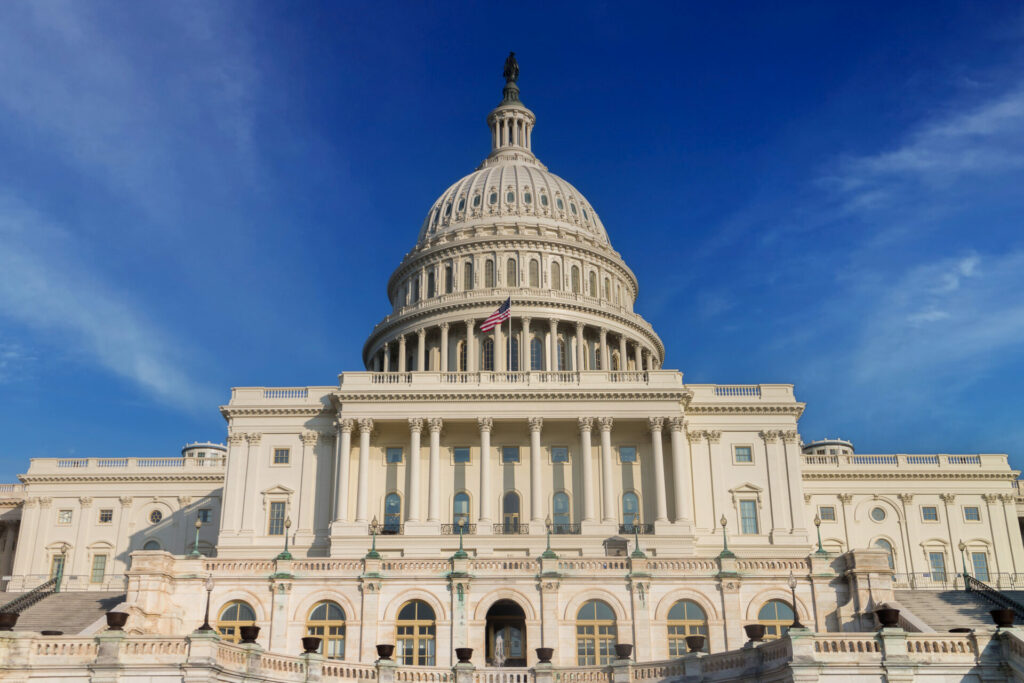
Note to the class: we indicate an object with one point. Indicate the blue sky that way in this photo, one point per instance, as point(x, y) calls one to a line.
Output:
point(199, 195)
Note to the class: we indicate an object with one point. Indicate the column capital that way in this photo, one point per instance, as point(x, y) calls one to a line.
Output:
point(713, 435)
point(309, 438)
point(526, 320)
point(655, 424)
point(536, 423)
point(470, 322)
point(236, 438)
point(605, 423)
point(485, 424)
point(905, 497)
point(770, 435)
point(386, 345)
point(585, 423)
point(990, 498)
point(345, 425)
point(947, 498)
point(579, 328)
point(401, 338)
point(421, 332)
point(791, 436)
point(415, 425)
point(85, 501)
point(603, 332)
point(696, 436)
point(845, 498)
point(677, 423)
point(444, 325)
point(365, 425)
point(254, 438)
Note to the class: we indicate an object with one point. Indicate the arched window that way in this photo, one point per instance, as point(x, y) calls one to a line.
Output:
point(467, 276)
point(430, 285)
point(415, 631)
point(556, 276)
point(536, 354)
point(415, 289)
point(607, 289)
point(513, 361)
point(510, 512)
point(686, 618)
point(534, 273)
point(449, 280)
point(575, 279)
point(462, 356)
point(460, 509)
point(563, 356)
point(595, 634)
point(511, 276)
point(151, 545)
point(592, 284)
point(233, 616)
point(630, 510)
point(489, 273)
point(887, 547)
point(392, 513)
point(776, 616)
point(327, 621)
point(488, 354)
point(560, 517)
point(616, 362)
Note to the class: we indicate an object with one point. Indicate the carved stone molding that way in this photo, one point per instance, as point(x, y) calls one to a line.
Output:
point(791, 436)
point(435, 424)
point(713, 435)
point(85, 501)
point(605, 423)
point(310, 438)
point(845, 498)
point(947, 498)
point(415, 425)
point(254, 438)
point(585, 424)
point(770, 435)
point(536, 423)
point(485, 424)
point(677, 424)
point(365, 425)
point(655, 424)
point(236, 438)
point(345, 425)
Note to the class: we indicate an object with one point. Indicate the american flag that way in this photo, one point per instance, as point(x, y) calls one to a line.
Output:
point(503, 313)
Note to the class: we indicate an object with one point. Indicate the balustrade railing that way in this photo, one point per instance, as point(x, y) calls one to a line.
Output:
point(566, 529)
point(510, 529)
point(996, 597)
point(456, 529)
point(640, 529)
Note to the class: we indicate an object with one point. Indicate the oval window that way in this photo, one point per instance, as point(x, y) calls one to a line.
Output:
point(878, 514)
point(476, 200)
point(527, 198)
point(544, 200)
point(155, 516)
point(559, 204)
point(493, 199)
point(510, 197)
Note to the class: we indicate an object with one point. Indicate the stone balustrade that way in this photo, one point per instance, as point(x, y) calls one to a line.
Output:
point(819, 462)
point(79, 466)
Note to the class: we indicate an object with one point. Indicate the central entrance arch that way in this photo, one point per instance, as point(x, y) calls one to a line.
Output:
point(506, 634)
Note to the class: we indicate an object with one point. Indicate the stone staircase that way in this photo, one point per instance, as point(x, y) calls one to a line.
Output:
point(70, 612)
point(943, 610)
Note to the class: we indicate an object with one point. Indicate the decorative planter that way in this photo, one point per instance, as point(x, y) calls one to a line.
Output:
point(464, 654)
point(385, 651)
point(116, 620)
point(544, 654)
point(623, 650)
point(695, 643)
point(8, 620)
point(249, 633)
point(755, 632)
point(310, 644)
point(888, 617)
point(1003, 618)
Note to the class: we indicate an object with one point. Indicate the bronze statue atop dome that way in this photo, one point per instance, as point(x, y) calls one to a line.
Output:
point(511, 72)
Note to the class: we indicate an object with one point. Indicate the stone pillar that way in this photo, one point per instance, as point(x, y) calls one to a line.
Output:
point(363, 480)
point(680, 468)
point(249, 500)
point(444, 347)
point(647, 359)
point(607, 472)
point(369, 589)
point(412, 497)
point(606, 356)
point(536, 495)
point(1010, 517)
point(499, 348)
point(794, 480)
point(579, 348)
point(552, 345)
point(587, 460)
point(279, 592)
point(387, 358)
point(525, 346)
point(234, 480)
point(341, 469)
point(470, 345)
point(703, 497)
point(78, 567)
point(484, 520)
point(307, 485)
point(421, 348)
point(776, 484)
point(401, 354)
point(660, 501)
point(434, 471)
point(637, 357)
point(623, 353)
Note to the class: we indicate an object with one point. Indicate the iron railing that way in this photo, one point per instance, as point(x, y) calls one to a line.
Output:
point(996, 597)
point(641, 529)
point(386, 529)
point(456, 529)
point(23, 602)
point(566, 529)
point(510, 529)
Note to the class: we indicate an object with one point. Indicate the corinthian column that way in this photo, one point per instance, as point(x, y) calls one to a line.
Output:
point(421, 348)
point(638, 357)
point(363, 480)
point(485, 424)
point(623, 353)
point(553, 345)
point(680, 467)
point(412, 511)
point(444, 347)
point(387, 358)
point(606, 356)
point(660, 502)
point(536, 498)
point(470, 345)
point(401, 354)
point(341, 468)
point(608, 486)
point(587, 459)
point(579, 348)
point(525, 347)
point(434, 471)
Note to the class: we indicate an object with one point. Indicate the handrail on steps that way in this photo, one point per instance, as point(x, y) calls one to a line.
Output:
point(993, 595)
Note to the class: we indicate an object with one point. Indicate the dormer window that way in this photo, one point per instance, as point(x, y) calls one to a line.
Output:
point(510, 197)
point(559, 204)
point(476, 200)
point(527, 198)
point(462, 204)
point(543, 200)
point(447, 210)
point(572, 206)
point(493, 199)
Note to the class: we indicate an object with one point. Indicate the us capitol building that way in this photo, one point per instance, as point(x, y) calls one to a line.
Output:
point(544, 490)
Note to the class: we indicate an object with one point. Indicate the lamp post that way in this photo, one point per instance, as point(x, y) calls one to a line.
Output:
point(208, 585)
point(792, 589)
point(548, 552)
point(284, 554)
point(373, 554)
point(817, 523)
point(60, 567)
point(963, 561)
point(195, 554)
point(725, 541)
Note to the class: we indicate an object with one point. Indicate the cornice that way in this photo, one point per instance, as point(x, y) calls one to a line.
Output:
point(795, 409)
point(109, 477)
point(548, 395)
point(279, 411)
point(930, 475)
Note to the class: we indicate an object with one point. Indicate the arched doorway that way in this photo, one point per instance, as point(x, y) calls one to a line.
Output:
point(506, 634)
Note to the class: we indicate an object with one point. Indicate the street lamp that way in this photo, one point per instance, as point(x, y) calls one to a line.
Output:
point(60, 567)
point(284, 554)
point(548, 552)
point(963, 560)
point(792, 589)
point(195, 554)
point(208, 585)
point(725, 541)
point(817, 523)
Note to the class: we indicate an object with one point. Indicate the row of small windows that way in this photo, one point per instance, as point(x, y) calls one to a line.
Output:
point(510, 198)
point(395, 455)
point(106, 516)
point(929, 513)
point(564, 358)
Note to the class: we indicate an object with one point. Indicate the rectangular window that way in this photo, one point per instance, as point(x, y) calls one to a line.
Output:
point(929, 513)
point(980, 561)
point(972, 514)
point(460, 456)
point(275, 527)
point(937, 562)
point(559, 454)
point(394, 455)
point(64, 517)
point(827, 513)
point(204, 515)
point(748, 516)
point(281, 456)
point(743, 454)
point(99, 568)
point(627, 453)
point(510, 454)
point(106, 516)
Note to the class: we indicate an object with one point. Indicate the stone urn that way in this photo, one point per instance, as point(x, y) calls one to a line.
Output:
point(464, 654)
point(755, 632)
point(116, 620)
point(888, 617)
point(1003, 618)
point(8, 620)
point(695, 643)
point(385, 651)
point(310, 644)
point(544, 654)
point(623, 650)
point(249, 634)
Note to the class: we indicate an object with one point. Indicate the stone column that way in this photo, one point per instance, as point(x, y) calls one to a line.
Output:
point(499, 348)
point(1010, 517)
point(401, 354)
point(579, 348)
point(341, 468)
point(776, 483)
point(680, 468)
point(444, 347)
point(387, 358)
point(553, 345)
point(470, 345)
point(249, 500)
point(607, 473)
point(660, 501)
point(434, 473)
point(79, 566)
point(524, 347)
point(997, 547)
point(587, 460)
point(623, 353)
point(703, 500)
point(234, 480)
point(485, 424)
point(637, 357)
point(421, 348)
point(363, 480)
point(647, 359)
point(536, 495)
point(412, 497)
point(307, 484)
point(606, 356)
point(791, 458)
point(947, 500)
